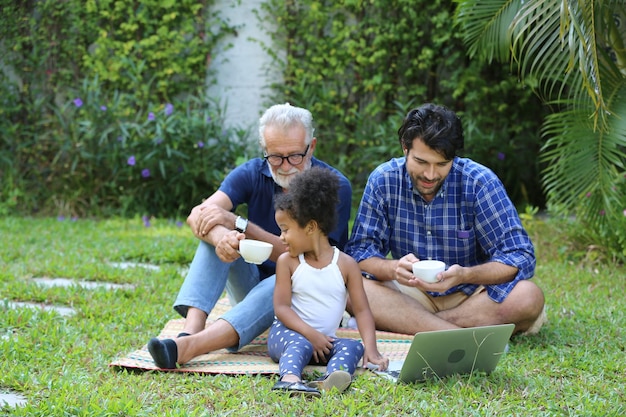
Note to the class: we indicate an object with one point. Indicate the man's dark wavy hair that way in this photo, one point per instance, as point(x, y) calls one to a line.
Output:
point(312, 195)
point(438, 127)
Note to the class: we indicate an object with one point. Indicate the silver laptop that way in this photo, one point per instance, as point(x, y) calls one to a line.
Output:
point(441, 353)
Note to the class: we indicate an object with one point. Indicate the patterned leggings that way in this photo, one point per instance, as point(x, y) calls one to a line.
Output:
point(293, 352)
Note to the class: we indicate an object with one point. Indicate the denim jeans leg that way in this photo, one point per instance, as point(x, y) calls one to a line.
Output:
point(242, 278)
point(206, 280)
point(254, 313)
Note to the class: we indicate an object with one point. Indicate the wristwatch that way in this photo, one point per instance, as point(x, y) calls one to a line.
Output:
point(241, 224)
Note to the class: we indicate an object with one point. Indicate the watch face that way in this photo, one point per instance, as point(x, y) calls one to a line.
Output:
point(241, 224)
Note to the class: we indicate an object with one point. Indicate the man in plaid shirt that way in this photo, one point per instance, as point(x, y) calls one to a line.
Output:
point(432, 204)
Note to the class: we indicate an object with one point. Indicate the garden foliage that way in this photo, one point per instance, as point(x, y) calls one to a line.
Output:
point(572, 55)
point(358, 66)
point(103, 109)
point(361, 65)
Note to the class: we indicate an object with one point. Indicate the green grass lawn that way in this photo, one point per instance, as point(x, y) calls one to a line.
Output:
point(575, 366)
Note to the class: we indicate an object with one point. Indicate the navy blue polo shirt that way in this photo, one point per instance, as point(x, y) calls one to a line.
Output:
point(252, 184)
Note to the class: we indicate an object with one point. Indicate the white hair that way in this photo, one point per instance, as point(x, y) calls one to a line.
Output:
point(285, 116)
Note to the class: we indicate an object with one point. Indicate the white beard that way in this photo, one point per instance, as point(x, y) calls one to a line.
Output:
point(284, 181)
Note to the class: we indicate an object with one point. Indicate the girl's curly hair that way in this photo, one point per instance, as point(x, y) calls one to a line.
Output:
point(312, 195)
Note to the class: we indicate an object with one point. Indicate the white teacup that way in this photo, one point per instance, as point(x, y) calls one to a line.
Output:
point(428, 270)
point(255, 251)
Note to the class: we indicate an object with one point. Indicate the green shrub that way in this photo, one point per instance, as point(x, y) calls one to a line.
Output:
point(604, 240)
point(59, 157)
point(21, 160)
point(360, 66)
point(119, 155)
point(157, 49)
point(101, 154)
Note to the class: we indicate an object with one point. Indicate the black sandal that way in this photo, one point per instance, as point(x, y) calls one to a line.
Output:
point(296, 388)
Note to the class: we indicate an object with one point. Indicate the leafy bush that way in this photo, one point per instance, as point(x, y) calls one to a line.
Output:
point(119, 154)
point(360, 69)
point(154, 48)
point(62, 152)
point(604, 240)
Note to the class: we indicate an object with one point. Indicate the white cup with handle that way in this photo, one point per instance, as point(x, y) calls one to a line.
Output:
point(255, 251)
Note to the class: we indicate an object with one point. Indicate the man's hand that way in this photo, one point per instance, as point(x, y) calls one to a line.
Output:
point(204, 218)
point(447, 279)
point(403, 272)
point(227, 248)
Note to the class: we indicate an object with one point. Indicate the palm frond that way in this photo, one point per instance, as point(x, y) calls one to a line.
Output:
point(584, 165)
point(611, 30)
point(556, 42)
point(485, 25)
point(571, 52)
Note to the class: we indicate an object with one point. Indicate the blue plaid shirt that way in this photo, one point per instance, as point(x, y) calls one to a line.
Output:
point(470, 221)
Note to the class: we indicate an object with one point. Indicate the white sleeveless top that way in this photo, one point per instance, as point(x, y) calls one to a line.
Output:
point(319, 296)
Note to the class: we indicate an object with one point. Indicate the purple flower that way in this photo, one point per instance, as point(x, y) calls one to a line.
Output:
point(146, 221)
point(150, 116)
point(208, 119)
point(501, 156)
point(180, 224)
point(103, 108)
point(78, 102)
point(602, 212)
point(61, 218)
point(145, 173)
point(158, 141)
point(169, 109)
point(131, 161)
point(120, 138)
point(200, 144)
point(588, 195)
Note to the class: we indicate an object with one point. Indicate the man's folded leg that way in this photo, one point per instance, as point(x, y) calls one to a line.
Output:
point(254, 314)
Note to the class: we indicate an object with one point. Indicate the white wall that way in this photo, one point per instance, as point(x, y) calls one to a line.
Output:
point(241, 70)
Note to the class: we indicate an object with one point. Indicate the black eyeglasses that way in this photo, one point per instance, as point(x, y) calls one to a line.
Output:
point(293, 159)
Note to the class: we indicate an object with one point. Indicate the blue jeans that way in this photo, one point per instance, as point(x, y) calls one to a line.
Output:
point(252, 299)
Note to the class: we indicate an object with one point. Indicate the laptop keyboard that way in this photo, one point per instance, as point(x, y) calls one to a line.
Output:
point(395, 374)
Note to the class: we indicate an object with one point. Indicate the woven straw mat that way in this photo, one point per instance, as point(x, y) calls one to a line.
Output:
point(253, 358)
